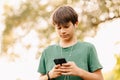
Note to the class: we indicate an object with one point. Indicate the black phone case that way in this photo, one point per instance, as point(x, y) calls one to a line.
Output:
point(60, 61)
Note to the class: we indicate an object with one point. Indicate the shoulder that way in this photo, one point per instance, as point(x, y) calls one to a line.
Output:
point(86, 44)
point(49, 50)
point(50, 47)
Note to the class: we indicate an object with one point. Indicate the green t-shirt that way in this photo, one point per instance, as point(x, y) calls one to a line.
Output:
point(82, 53)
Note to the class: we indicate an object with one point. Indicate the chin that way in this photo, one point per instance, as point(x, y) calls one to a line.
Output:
point(65, 39)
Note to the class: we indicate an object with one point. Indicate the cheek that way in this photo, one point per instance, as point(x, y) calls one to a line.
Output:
point(72, 32)
point(57, 31)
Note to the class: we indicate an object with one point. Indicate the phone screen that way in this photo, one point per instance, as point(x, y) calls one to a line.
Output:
point(60, 61)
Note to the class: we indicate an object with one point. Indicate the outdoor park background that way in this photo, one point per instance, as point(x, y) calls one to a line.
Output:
point(25, 30)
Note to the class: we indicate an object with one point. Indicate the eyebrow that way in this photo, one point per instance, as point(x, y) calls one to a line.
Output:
point(59, 25)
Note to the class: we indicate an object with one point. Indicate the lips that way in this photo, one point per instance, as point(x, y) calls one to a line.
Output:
point(64, 36)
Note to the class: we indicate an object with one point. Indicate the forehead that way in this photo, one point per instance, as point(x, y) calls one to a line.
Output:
point(63, 25)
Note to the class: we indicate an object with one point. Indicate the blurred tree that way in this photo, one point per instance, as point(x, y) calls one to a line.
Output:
point(115, 73)
point(108, 75)
point(116, 69)
point(35, 15)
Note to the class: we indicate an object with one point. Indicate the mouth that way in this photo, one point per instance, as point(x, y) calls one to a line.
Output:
point(64, 36)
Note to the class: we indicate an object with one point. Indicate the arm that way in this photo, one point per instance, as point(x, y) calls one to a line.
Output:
point(70, 68)
point(54, 73)
point(96, 75)
point(43, 77)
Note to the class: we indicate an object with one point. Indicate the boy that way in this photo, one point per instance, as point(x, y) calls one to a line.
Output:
point(82, 61)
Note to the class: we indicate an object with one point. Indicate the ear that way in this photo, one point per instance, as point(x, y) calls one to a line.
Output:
point(76, 24)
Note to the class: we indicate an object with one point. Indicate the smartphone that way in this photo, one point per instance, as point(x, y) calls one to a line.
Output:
point(60, 61)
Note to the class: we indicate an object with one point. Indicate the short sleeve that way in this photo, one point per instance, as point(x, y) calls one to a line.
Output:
point(41, 67)
point(93, 61)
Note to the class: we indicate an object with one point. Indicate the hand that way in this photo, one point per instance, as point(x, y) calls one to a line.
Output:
point(70, 68)
point(55, 72)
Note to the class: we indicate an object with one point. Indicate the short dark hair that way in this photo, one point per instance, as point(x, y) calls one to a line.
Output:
point(63, 15)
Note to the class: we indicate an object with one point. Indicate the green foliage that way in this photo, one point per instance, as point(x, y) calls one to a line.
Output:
point(116, 70)
point(115, 73)
point(108, 75)
point(31, 13)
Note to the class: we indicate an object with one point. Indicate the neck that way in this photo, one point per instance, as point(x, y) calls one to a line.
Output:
point(68, 43)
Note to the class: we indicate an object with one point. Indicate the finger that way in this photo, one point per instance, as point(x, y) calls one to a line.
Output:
point(58, 70)
point(68, 73)
point(58, 73)
point(68, 63)
point(65, 67)
point(65, 70)
point(57, 66)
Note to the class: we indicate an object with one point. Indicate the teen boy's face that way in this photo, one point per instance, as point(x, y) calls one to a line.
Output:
point(66, 32)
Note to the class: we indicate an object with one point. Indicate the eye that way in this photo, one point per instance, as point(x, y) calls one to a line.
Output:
point(58, 27)
point(66, 26)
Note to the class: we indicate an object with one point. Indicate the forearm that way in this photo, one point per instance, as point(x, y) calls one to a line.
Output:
point(43, 77)
point(90, 76)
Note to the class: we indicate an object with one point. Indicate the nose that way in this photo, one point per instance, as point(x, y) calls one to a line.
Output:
point(63, 31)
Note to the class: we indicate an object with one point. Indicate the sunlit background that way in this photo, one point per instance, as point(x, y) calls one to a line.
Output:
point(25, 30)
